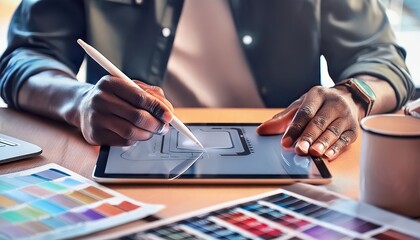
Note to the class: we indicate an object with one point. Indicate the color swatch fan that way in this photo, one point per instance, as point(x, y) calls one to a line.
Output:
point(281, 214)
point(51, 202)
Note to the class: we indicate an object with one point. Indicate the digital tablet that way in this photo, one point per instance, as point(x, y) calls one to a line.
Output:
point(234, 154)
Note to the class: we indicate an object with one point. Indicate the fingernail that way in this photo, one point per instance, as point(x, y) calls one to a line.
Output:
point(303, 146)
point(330, 154)
point(287, 142)
point(319, 148)
point(162, 130)
point(165, 129)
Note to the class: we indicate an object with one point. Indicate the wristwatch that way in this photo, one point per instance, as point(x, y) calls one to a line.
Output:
point(361, 92)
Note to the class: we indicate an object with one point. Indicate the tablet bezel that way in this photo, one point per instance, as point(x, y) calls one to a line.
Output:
point(99, 174)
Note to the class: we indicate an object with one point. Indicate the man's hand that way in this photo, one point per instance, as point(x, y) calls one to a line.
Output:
point(323, 122)
point(113, 112)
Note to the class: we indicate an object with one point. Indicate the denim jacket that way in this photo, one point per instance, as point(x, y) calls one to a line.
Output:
point(288, 38)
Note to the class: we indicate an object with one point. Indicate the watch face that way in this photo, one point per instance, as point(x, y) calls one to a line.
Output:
point(367, 91)
point(363, 92)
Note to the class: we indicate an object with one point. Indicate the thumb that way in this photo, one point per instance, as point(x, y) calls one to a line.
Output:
point(279, 123)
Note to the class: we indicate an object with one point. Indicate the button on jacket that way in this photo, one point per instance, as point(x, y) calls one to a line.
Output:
point(282, 41)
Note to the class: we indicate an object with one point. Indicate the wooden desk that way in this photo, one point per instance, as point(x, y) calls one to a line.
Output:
point(65, 146)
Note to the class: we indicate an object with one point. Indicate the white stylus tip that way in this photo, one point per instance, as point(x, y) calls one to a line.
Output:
point(81, 42)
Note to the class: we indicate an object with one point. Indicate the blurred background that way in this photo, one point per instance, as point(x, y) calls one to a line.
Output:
point(404, 16)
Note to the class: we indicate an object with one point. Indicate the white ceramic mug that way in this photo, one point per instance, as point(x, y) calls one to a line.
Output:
point(390, 163)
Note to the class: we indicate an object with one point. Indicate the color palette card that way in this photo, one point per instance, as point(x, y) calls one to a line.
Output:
point(281, 215)
point(51, 202)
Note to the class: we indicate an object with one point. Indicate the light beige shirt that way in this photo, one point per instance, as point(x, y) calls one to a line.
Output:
point(207, 67)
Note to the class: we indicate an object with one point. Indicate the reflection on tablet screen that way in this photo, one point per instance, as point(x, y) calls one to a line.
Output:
point(209, 139)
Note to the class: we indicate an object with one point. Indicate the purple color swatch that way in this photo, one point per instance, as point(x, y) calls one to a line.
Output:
point(92, 215)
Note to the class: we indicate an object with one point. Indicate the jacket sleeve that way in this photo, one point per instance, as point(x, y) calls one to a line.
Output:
point(42, 36)
point(356, 38)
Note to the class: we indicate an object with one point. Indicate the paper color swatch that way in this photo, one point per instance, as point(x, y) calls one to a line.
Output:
point(281, 215)
point(51, 202)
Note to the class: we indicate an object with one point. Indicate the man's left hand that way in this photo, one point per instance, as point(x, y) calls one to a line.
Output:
point(322, 122)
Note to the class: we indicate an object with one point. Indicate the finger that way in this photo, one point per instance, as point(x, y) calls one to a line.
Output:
point(316, 126)
point(341, 144)
point(143, 120)
point(155, 91)
point(328, 137)
point(136, 97)
point(106, 137)
point(161, 98)
point(291, 108)
point(307, 110)
point(97, 134)
point(125, 129)
point(139, 118)
point(280, 121)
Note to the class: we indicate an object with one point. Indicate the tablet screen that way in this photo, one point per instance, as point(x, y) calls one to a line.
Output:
point(231, 151)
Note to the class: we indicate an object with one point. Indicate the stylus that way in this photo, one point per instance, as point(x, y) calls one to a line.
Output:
point(113, 70)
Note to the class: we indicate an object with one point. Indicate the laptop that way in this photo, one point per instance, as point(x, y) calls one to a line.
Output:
point(12, 149)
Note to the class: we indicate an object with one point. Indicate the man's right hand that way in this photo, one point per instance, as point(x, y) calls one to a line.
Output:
point(113, 112)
